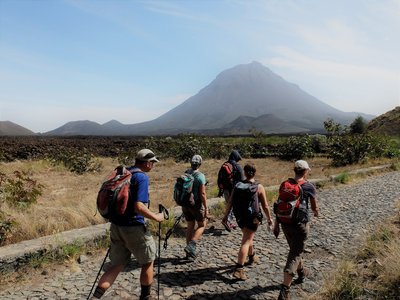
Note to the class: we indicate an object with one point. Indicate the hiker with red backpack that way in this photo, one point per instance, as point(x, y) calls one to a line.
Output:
point(229, 174)
point(246, 200)
point(128, 231)
point(292, 214)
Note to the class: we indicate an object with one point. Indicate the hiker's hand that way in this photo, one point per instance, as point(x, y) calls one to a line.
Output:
point(276, 229)
point(159, 217)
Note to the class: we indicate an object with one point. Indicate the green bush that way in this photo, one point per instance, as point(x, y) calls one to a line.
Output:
point(6, 226)
point(296, 147)
point(20, 191)
point(78, 162)
point(342, 178)
point(352, 149)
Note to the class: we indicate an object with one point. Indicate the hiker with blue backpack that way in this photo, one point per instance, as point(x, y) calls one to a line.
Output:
point(229, 174)
point(191, 195)
point(292, 214)
point(246, 201)
point(128, 232)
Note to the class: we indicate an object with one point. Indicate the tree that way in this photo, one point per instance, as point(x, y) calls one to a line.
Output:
point(333, 128)
point(358, 126)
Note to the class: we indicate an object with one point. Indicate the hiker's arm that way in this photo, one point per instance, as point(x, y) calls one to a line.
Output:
point(203, 197)
point(314, 206)
point(262, 197)
point(143, 210)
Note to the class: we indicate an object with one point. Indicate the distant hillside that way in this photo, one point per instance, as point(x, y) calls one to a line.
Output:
point(247, 96)
point(88, 128)
point(266, 123)
point(11, 129)
point(386, 124)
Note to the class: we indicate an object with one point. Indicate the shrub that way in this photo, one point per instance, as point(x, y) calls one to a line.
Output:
point(296, 147)
point(352, 149)
point(77, 161)
point(6, 225)
point(342, 178)
point(319, 143)
point(20, 191)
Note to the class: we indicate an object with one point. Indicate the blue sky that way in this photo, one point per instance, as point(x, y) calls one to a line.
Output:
point(65, 60)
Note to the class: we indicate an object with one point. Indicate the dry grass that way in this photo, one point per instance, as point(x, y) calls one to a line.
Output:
point(373, 272)
point(68, 200)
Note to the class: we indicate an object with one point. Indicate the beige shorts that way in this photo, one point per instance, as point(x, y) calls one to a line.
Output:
point(193, 213)
point(127, 240)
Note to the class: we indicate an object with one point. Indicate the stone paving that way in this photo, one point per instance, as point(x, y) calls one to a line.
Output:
point(347, 214)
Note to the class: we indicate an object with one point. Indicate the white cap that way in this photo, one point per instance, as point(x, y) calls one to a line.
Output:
point(301, 165)
point(146, 155)
point(196, 159)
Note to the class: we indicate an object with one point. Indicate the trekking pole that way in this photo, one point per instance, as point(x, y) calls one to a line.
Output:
point(171, 230)
point(163, 210)
point(98, 273)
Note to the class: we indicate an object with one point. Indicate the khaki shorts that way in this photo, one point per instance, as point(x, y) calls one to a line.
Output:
point(193, 213)
point(296, 236)
point(127, 240)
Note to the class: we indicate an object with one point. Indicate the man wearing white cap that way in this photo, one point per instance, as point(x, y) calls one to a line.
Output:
point(128, 232)
point(197, 213)
point(297, 233)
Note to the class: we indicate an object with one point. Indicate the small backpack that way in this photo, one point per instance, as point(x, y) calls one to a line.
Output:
point(290, 200)
point(113, 196)
point(245, 203)
point(226, 176)
point(183, 190)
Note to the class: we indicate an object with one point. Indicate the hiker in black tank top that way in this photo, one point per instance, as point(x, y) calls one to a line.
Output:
point(247, 219)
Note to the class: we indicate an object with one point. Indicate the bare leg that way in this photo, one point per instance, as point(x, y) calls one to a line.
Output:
point(247, 244)
point(190, 231)
point(109, 276)
point(146, 274)
point(199, 230)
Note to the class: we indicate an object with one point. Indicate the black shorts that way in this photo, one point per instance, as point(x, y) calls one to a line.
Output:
point(248, 223)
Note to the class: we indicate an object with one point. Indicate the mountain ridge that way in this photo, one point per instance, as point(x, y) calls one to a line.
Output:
point(250, 92)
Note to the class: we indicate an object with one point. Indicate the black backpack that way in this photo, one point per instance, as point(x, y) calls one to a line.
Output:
point(245, 203)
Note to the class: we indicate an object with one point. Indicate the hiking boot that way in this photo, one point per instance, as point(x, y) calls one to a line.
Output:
point(284, 293)
point(98, 293)
point(148, 297)
point(226, 225)
point(190, 249)
point(239, 274)
point(302, 274)
point(232, 226)
point(253, 259)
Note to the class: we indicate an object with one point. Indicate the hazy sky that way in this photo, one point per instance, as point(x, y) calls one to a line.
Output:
point(131, 60)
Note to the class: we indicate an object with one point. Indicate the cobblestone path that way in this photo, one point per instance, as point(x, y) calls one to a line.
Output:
point(347, 213)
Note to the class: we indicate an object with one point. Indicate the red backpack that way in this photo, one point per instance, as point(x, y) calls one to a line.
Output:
point(289, 200)
point(225, 176)
point(113, 195)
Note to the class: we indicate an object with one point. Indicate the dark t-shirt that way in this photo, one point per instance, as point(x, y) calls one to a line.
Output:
point(309, 190)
